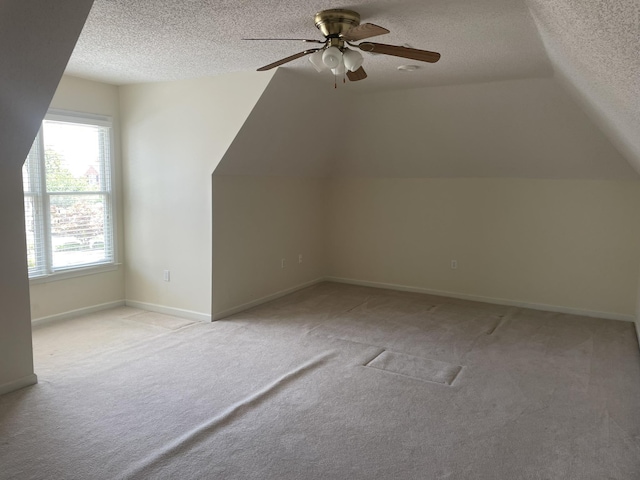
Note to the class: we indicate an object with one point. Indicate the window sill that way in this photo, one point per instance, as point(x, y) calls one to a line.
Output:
point(76, 272)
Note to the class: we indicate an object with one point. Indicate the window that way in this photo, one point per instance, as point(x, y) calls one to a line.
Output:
point(68, 196)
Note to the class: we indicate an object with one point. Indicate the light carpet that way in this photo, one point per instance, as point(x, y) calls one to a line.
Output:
point(332, 382)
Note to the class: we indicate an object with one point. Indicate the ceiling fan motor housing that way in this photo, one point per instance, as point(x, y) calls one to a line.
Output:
point(337, 21)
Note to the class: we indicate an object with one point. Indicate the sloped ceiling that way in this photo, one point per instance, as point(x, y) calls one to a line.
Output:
point(35, 45)
point(512, 129)
point(291, 130)
point(590, 46)
point(594, 46)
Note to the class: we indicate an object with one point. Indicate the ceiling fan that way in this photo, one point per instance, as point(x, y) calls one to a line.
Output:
point(340, 28)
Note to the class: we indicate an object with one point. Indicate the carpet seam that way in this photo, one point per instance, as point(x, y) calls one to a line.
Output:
point(413, 378)
point(224, 418)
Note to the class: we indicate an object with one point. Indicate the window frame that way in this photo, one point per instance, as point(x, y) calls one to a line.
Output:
point(42, 197)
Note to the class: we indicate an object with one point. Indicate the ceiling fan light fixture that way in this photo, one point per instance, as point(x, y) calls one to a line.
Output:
point(340, 69)
point(316, 61)
point(341, 27)
point(332, 57)
point(352, 59)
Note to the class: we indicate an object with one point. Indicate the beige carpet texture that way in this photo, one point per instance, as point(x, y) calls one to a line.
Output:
point(332, 382)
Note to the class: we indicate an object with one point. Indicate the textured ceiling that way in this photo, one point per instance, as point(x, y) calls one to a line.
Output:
point(594, 46)
point(128, 41)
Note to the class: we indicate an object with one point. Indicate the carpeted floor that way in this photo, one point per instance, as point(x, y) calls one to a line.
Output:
point(332, 382)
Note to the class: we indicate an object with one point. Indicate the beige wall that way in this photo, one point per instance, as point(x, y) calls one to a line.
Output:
point(257, 222)
point(174, 134)
point(561, 243)
point(36, 40)
point(269, 193)
point(525, 128)
point(56, 296)
point(59, 298)
point(16, 363)
point(637, 317)
point(565, 244)
point(290, 129)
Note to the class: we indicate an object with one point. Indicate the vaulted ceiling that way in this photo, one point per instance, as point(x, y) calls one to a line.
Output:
point(592, 46)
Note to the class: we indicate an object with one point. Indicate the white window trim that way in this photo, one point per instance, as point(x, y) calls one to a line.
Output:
point(70, 116)
point(75, 272)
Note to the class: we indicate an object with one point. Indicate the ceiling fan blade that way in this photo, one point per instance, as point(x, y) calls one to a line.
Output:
point(288, 59)
point(366, 30)
point(359, 74)
point(396, 51)
point(283, 39)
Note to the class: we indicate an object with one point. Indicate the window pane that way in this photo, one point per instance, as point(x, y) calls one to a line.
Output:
point(26, 183)
point(30, 221)
point(30, 170)
point(74, 157)
point(80, 232)
point(67, 186)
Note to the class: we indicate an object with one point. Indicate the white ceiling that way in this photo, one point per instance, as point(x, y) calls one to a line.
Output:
point(127, 41)
point(593, 46)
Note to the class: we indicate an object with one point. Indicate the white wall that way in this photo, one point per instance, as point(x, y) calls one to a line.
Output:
point(561, 243)
point(257, 222)
point(36, 40)
point(270, 190)
point(432, 174)
point(57, 296)
point(519, 129)
point(564, 242)
point(16, 363)
point(290, 130)
point(173, 136)
point(637, 317)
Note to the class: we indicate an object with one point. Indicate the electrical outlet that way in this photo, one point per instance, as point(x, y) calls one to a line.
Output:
point(282, 263)
point(454, 264)
point(166, 275)
point(299, 258)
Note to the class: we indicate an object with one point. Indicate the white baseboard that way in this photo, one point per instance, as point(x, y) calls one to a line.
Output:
point(177, 312)
point(204, 317)
point(18, 384)
point(479, 298)
point(75, 313)
point(265, 299)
